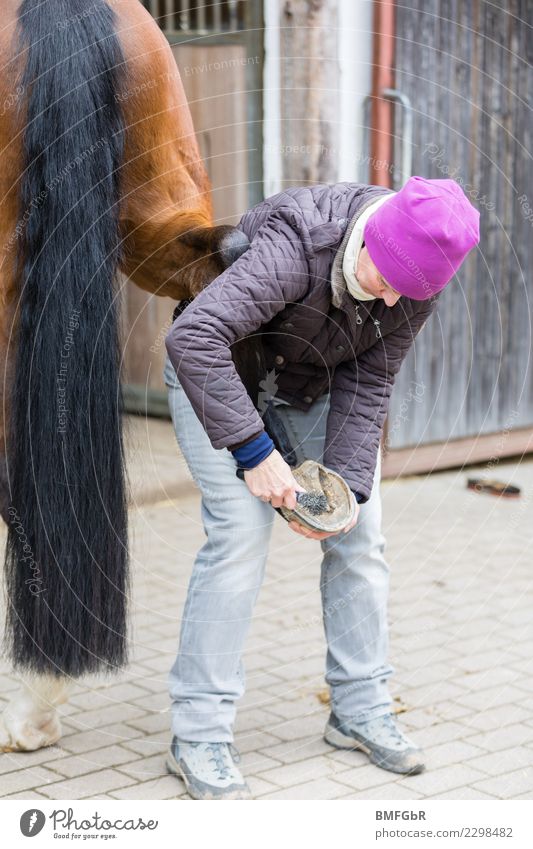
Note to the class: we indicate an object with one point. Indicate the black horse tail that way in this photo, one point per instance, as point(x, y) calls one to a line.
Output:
point(66, 557)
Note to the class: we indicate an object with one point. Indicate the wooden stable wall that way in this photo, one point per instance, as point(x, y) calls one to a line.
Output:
point(466, 68)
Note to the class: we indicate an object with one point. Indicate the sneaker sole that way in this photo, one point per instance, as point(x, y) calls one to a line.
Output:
point(174, 769)
point(342, 741)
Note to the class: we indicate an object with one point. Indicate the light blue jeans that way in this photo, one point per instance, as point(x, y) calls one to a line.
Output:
point(207, 677)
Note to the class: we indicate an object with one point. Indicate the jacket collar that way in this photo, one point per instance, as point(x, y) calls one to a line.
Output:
point(339, 289)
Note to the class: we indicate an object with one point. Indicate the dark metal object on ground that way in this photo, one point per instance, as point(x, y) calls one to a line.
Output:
point(493, 487)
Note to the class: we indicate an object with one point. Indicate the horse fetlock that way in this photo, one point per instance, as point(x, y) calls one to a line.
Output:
point(40, 693)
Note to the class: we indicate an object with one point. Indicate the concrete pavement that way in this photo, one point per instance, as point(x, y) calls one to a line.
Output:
point(461, 645)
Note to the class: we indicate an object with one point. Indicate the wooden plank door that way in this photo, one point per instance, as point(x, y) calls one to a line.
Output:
point(466, 68)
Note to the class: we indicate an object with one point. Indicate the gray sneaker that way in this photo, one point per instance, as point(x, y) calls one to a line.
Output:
point(208, 769)
point(382, 741)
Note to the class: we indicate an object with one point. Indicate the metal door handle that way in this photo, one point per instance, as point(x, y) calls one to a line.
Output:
point(407, 130)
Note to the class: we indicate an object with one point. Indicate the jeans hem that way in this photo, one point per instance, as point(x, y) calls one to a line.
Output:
point(203, 737)
point(363, 716)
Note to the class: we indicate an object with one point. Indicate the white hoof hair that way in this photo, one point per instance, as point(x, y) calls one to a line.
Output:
point(30, 720)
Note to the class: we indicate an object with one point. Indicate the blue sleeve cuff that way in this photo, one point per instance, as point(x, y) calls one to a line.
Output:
point(359, 497)
point(254, 452)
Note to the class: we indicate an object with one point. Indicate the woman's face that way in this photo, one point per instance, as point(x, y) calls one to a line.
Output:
point(371, 280)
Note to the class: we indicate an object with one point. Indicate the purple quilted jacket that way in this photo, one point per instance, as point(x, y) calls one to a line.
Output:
point(317, 338)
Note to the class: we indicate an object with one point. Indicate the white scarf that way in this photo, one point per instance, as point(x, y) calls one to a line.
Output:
point(352, 250)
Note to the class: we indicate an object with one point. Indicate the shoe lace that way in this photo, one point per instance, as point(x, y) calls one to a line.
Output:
point(387, 723)
point(220, 752)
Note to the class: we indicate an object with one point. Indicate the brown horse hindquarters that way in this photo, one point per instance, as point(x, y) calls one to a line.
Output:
point(171, 245)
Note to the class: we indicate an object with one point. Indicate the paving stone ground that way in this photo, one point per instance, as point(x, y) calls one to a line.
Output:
point(461, 645)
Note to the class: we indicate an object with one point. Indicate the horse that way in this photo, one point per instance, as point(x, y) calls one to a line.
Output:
point(100, 174)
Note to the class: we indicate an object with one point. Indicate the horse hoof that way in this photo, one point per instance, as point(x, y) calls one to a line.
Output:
point(29, 738)
point(232, 246)
point(6, 744)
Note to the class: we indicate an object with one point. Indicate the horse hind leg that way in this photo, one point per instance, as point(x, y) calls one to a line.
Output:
point(30, 721)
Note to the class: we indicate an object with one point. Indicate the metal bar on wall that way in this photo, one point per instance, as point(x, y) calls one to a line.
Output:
point(406, 134)
point(233, 21)
point(169, 22)
point(217, 15)
point(184, 15)
point(200, 18)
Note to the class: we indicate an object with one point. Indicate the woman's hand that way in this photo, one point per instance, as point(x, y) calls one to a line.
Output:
point(272, 480)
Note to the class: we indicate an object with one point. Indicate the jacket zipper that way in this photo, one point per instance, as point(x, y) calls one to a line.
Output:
point(377, 323)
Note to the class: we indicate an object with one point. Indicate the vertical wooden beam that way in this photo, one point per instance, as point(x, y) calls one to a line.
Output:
point(309, 91)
